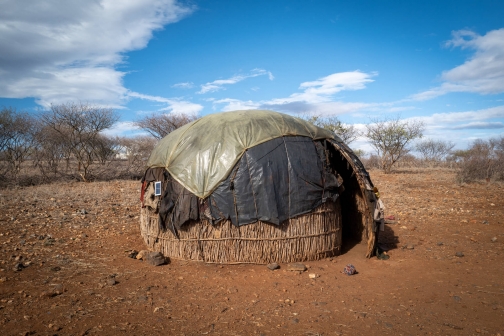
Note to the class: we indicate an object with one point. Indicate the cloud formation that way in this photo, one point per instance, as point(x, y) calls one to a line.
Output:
point(482, 73)
point(218, 84)
point(185, 85)
point(174, 105)
point(58, 51)
point(316, 96)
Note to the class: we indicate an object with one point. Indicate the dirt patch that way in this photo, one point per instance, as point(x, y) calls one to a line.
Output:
point(65, 270)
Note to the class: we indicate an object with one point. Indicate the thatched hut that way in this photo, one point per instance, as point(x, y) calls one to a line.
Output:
point(254, 187)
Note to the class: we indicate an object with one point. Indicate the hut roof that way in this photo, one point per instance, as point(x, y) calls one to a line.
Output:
point(201, 154)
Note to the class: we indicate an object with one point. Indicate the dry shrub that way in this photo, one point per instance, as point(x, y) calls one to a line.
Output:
point(484, 160)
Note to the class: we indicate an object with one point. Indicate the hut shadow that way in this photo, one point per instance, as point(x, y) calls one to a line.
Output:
point(387, 239)
point(348, 243)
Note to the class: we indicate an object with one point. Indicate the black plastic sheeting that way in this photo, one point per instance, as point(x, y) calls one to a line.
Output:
point(274, 181)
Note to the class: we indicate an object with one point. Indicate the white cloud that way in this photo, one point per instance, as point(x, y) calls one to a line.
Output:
point(185, 85)
point(464, 127)
point(58, 51)
point(236, 104)
point(124, 128)
point(218, 84)
point(323, 89)
point(178, 106)
point(452, 119)
point(482, 73)
point(316, 97)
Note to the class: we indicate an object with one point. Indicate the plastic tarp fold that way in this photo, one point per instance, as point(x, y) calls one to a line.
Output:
point(201, 154)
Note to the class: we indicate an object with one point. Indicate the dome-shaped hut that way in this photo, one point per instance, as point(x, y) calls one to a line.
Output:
point(254, 187)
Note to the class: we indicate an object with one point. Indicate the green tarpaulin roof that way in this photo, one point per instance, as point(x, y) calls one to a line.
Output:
point(201, 154)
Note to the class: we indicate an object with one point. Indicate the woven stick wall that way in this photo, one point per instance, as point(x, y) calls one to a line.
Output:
point(313, 236)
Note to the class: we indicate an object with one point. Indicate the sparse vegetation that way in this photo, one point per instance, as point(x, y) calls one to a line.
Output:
point(160, 125)
point(434, 152)
point(67, 143)
point(391, 138)
point(484, 160)
point(347, 133)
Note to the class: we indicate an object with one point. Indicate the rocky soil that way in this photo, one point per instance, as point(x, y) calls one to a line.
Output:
point(66, 270)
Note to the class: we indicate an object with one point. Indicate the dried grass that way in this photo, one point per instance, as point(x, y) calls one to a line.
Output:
point(312, 236)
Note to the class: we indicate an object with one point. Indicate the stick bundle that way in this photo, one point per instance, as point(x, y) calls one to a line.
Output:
point(312, 236)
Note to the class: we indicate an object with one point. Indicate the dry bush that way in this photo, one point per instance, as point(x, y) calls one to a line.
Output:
point(484, 160)
point(160, 125)
point(79, 127)
point(17, 137)
point(434, 152)
point(347, 133)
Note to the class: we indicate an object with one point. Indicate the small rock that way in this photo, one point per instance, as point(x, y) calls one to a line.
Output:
point(296, 267)
point(58, 289)
point(410, 247)
point(18, 267)
point(111, 282)
point(457, 298)
point(140, 255)
point(55, 268)
point(459, 254)
point(155, 258)
point(494, 239)
point(132, 254)
point(485, 222)
point(83, 212)
point(157, 309)
point(440, 244)
point(313, 276)
point(273, 266)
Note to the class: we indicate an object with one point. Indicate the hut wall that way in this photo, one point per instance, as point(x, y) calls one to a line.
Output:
point(312, 236)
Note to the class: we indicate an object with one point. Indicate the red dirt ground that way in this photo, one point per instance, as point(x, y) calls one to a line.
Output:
point(78, 279)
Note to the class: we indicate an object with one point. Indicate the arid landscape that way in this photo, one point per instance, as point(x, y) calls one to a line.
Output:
point(65, 269)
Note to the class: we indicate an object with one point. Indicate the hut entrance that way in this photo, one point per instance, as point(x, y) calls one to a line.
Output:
point(353, 204)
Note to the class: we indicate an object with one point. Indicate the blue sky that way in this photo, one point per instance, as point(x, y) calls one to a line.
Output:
point(438, 61)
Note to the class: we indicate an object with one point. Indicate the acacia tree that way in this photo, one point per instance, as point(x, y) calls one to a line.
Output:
point(160, 125)
point(391, 139)
point(80, 126)
point(347, 133)
point(434, 151)
point(17, 136)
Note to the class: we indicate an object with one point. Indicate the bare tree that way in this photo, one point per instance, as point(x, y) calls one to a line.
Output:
point(50, 150)
point(483, 160)
point(136, 151)
point(160, 125)
point(391, 139)
point(347, 133)
point(80, 126)
point(434, 151)
point(17, 134)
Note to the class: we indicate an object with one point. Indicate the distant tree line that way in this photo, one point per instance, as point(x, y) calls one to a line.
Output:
point(68, 141)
